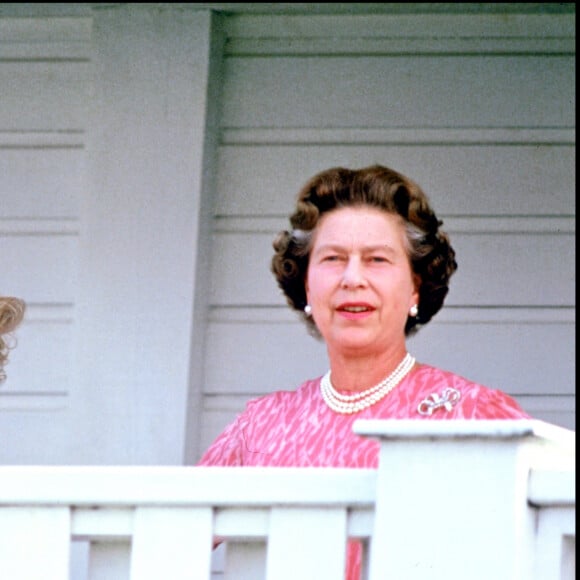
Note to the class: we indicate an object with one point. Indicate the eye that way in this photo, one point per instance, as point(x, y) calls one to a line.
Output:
point(378, 259)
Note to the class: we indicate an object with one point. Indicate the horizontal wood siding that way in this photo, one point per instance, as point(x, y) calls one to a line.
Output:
point(45, 75)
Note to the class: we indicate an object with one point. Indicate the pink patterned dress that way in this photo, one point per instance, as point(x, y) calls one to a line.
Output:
point(297, 429)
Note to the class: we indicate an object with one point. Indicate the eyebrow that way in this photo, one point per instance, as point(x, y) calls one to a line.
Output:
point(366, 249)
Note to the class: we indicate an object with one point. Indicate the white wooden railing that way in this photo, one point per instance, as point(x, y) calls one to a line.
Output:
point(450, 500)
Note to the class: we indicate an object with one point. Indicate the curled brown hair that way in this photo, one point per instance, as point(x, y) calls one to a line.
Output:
point(430, 254)
point(11, 315)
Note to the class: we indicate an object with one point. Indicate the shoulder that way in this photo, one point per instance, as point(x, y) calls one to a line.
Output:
point(475, 401)
point(430, 378)
point(284, 398)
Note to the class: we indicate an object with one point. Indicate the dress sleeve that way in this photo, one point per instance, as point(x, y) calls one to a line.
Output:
point(228, 448)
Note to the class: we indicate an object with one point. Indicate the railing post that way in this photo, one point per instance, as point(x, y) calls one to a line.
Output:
point(34, 542)
point(451, 500)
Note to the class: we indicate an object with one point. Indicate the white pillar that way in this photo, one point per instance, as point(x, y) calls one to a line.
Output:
point(451, 500)
point(143, 234)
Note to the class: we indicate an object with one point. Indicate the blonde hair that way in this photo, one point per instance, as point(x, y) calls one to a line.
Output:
point(11, 315)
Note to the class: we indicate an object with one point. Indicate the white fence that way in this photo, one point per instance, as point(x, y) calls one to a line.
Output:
point(450, 500)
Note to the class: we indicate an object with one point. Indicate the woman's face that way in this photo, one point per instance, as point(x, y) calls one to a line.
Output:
point(359, 281)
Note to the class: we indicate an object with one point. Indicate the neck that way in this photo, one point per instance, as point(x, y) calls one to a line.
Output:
point(356, 373)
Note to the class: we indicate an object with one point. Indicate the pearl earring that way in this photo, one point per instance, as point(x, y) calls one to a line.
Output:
point(413, 311)
point(308, 310)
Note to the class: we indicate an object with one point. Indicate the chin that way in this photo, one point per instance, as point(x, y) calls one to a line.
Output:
point(355, 343)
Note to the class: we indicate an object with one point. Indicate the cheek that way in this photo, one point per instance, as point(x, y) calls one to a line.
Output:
point(318, 299)
point(312, 293)
point(312, 284)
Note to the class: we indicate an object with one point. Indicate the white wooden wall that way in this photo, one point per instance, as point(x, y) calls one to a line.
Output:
point(149, 155)
point(45, 70)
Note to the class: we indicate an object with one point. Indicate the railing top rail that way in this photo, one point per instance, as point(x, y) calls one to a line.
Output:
point(185, 486)
point(552, 488)
point(464, 429)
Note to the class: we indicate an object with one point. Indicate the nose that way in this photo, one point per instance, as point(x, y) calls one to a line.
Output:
point(353, 274)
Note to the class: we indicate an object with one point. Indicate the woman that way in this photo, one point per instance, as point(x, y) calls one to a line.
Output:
point(367, 265)
point(11, 314)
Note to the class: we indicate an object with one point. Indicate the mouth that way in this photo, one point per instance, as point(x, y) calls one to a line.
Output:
point(355, 308)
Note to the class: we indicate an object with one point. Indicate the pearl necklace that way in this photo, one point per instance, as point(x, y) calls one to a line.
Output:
point(348, 404)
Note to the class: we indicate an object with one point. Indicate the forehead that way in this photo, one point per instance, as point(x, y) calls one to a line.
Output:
point(361, 225)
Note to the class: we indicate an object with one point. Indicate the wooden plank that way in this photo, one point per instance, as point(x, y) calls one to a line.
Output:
point(109, 560)
point(521, 358)
point(44, 95)
point(309, 544)
point(46, 268)
point(414, 23)
point(34, 543)
point(31, 353)
point(245, 561)
point(377, 136)
point(436, 161)
point(553, 488)
point(470, 90)
point(41, 180)
point(217, 563)
point(102, 524)
point(172, 543)
point(240, 524)
point(183, 487)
